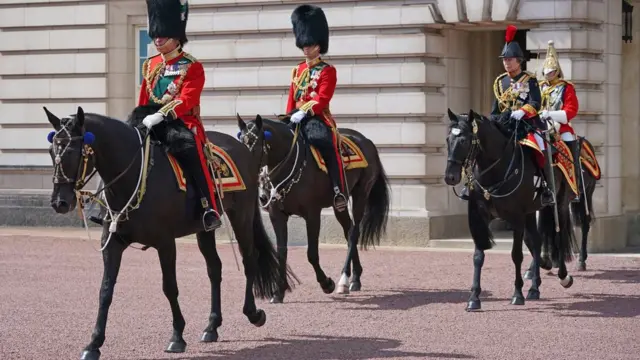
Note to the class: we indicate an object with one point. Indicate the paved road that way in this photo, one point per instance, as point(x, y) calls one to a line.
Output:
point(411, 307)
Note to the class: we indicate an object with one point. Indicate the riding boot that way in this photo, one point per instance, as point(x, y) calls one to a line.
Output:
point(191, 160)
point(548, 197)
point(577, 166)
point(333, 168)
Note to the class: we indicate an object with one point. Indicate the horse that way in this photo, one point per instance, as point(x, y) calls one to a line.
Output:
point(83, 144)
point(582, 211)
point(302, 188)
point(500, 173)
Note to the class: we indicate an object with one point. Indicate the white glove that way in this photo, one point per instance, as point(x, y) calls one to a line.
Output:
point(518, 114)
point(544, 114)
point(298, 116)
point(152, 120)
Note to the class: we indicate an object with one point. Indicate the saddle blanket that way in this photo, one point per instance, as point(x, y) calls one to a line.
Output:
point(352, 157)
point(225, 174)
point(589, 160)
point(562, 159)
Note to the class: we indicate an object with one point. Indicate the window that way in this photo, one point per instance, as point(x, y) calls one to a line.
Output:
point(144, 49)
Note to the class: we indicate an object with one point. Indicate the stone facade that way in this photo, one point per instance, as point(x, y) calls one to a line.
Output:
point(400, 65)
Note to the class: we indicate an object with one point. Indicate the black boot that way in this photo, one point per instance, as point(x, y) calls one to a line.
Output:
point(190, 159)
point(548, 197)
point(577, 166)
point(333, 168)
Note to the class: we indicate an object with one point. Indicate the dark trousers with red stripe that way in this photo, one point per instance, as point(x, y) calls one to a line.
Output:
point(319, 134)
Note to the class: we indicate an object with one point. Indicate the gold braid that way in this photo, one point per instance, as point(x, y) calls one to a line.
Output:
point(153, 75)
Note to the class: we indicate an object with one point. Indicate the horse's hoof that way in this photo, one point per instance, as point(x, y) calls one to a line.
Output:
point(328, 289)
point(582, 266)
point(533, 294)
point(567, 282)
point(261, 318)
point(176, 347)
point(546, 264)
point(90, 355)
point(473, 305)
point(277, 299)
point(528, 275)
point(342, 289)
point(355, 286)
point(517, 300)
point(209, 336)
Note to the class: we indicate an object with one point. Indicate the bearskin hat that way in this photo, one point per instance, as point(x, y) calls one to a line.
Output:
point(310, 27)
point(168, 18)
point(511, 48)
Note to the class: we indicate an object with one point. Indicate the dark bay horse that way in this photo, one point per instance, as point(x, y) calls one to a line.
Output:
point(84, 142)
point(502, 185)
point(292, 184)
point(582, 213)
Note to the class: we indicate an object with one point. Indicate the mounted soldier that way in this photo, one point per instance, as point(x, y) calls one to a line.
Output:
point(560, 104)
point(517, 96)
point(173, 81)
point(313, 82)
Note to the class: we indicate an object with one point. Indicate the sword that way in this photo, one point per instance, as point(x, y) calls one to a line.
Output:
point(584, 188)
point(551, 181)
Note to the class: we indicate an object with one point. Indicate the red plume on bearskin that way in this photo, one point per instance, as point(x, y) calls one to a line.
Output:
point(511, 33)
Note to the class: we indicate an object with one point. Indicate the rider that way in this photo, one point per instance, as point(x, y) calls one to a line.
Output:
point(517, 93)
point(560, 104)
point(312, 85)
point(174, 80)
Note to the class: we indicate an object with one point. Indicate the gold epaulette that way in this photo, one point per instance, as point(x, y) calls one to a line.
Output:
point(189, 57)
point(497, 88)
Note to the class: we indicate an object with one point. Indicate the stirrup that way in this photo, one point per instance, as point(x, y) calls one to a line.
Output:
point(216, 223)
point(336, 197)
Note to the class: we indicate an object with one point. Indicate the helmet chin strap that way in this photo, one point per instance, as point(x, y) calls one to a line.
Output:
point(169, 46)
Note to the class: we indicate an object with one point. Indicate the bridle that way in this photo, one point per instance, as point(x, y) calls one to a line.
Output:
point(59, 149)
point(470, 162)
point(279, 191)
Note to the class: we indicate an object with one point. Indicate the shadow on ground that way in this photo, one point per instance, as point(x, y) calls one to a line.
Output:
point(406, 299)
point(600, 305)
point(320, 347)
point(621, 276)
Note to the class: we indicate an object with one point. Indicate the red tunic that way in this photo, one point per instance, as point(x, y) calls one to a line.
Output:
point(562, 103)
point(178, 91)
point(312, 88)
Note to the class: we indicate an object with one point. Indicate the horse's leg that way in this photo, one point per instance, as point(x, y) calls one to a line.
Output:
point(359, 204)
point(345, 221)
point(528, 275)
point(517, 257)
point(279, 221)
point(313, 256)
point(534, 242)
point(167, 256)
point(112, 258)
point(207, 246)
point(586, 227)
point(474, 299)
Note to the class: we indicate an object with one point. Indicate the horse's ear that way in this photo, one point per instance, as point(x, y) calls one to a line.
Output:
point(452, 116)
point(54, 120)
point(472, 115)
point(80, 117)
point(259, 121)
point(241, 124)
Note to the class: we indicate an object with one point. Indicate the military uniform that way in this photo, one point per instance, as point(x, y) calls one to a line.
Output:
point(520, 93)
point(174, 83)
point(560, 104)
point(312, 86)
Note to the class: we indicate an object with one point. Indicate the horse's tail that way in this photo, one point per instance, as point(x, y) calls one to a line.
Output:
point(267, 281)
point(479, 226)
point(374, 220)
point(563, 244)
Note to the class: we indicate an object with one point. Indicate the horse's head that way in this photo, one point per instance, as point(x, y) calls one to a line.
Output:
point(460, 140)
point(71, 156)
point(269, 140)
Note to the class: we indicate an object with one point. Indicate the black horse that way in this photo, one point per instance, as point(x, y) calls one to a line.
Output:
point(502, 186)
point(292, 184)
point(159, 214)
